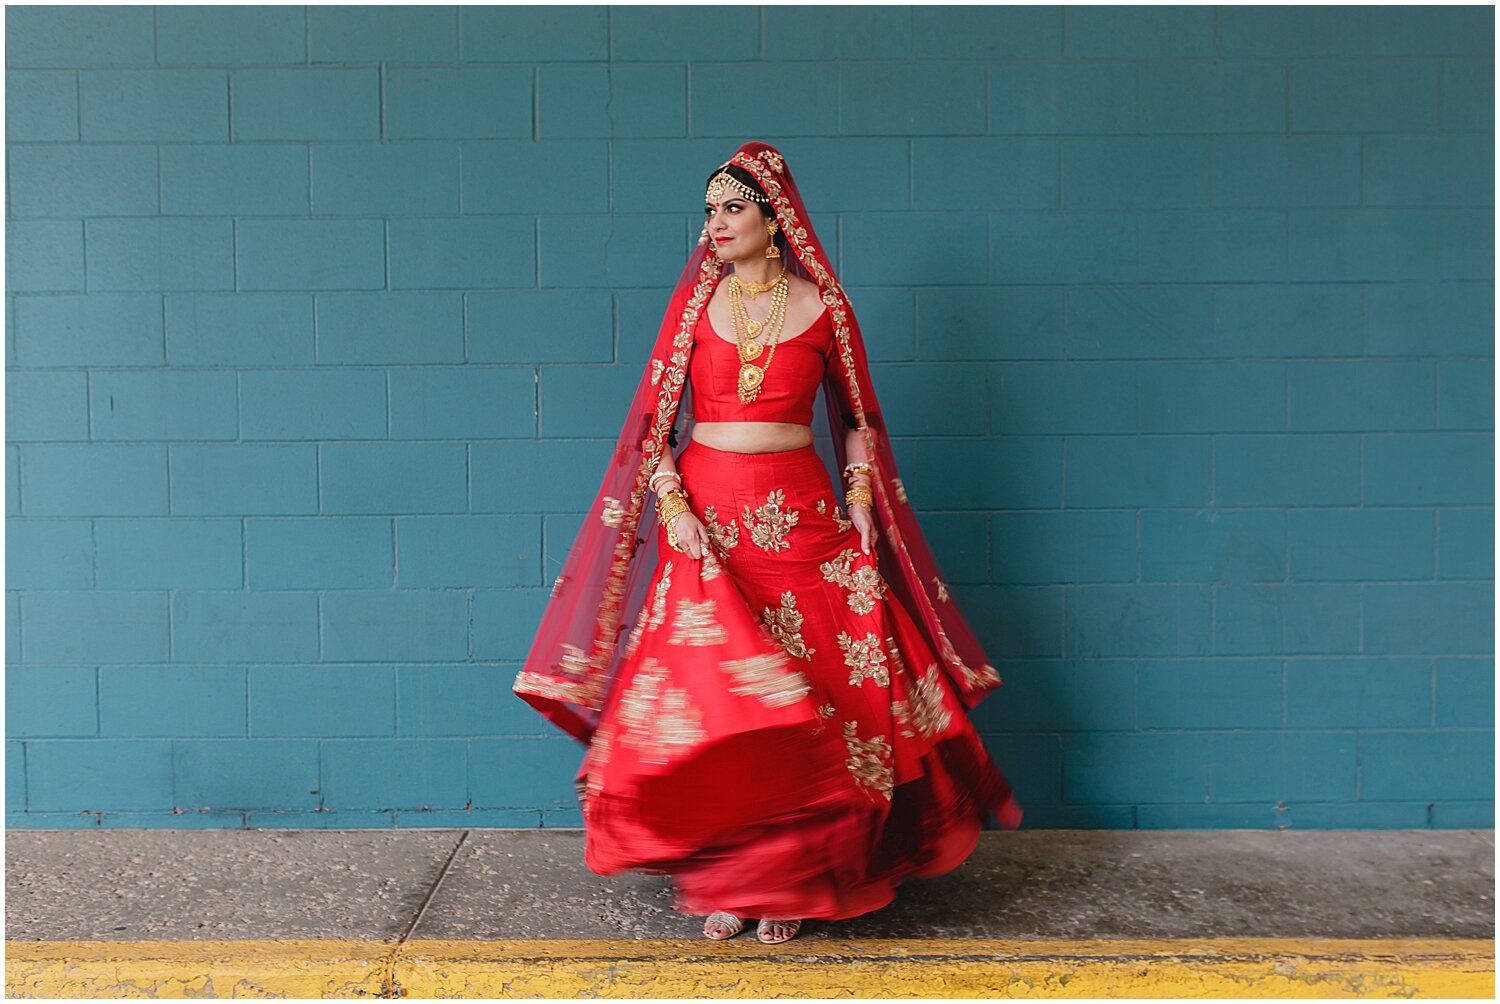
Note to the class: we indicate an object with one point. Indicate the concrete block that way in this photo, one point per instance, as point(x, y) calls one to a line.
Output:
point(73, 181)
point(1286, 470)
point(44, 256)
point(230, 36)
point(322, 702)
point(172, 701)
point(390, 328)
point(93, 627)
point(1213, 246)
point(408, 625)
point(560, 176)
point(312, 404)
point(385, 179)
point(463, 552)
point(1113, 471)
point(310, 103)
point(90, 480)
point(449, 103)
point(238, 330)
point(49, 554)
point(383, 34)
point(163, 405)
point(320, 553)
point(463, 253)
point(234, 479)
point(300, 255)
point(50, 702)
point(1064, 546)
point(154, 106)
point(244, 627)
point(172, 553)
point(46, 406)
point(1361, 544)
point(391, 478)
point(464, 403)
point(259, 179)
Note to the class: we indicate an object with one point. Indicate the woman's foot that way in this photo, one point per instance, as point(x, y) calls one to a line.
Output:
point(722, 924)
point(773, 931)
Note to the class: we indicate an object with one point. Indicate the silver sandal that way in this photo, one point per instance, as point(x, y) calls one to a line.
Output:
point(764, 927)
point(734, 923)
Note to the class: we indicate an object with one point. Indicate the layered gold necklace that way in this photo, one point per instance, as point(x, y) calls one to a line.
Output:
point(747, 332)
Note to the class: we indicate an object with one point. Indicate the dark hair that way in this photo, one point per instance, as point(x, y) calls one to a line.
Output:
point(766, 211)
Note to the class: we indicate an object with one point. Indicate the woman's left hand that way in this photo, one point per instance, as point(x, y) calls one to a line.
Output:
point(864, 522)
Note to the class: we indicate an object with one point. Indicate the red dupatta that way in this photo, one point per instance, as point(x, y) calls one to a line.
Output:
point(578, 647)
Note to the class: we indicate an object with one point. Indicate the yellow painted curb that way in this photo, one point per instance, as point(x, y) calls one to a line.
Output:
point(1210, 967)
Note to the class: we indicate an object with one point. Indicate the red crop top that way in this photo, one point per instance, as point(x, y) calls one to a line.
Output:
point(791, 382)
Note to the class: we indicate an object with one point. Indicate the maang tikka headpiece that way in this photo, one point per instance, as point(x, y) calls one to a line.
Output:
point(723, 181)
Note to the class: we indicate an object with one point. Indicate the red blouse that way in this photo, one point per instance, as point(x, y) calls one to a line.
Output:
point(791, 382)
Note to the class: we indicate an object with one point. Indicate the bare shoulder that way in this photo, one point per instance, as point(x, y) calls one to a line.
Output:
point(803, 295)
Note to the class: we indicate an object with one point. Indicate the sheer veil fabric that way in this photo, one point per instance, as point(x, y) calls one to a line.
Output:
point(578, 645)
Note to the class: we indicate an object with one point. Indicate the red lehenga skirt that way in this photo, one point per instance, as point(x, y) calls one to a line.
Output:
point(780, 737)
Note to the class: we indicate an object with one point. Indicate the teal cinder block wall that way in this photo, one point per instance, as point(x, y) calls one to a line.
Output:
point(320, 321)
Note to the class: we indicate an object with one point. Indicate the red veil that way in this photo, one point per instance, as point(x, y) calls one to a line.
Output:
point(603, 582)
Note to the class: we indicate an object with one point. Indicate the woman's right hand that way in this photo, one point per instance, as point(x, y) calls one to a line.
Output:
point(691, 534)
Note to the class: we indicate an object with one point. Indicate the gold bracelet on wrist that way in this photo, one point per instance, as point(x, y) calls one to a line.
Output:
point(859, 495)
point(669, 506)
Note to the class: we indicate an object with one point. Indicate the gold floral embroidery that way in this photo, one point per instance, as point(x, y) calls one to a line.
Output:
point(634, 641)
point(767, 678)
point(865, 586)
point(708, 566)
point(767, 524)
point(721, 536)
point(865, 659)
point(574, 679)
point(695, 624)
point(928, 712)
point(984, 676)
point(773, 160)
point(942, 589)
point(660, 721)
point(785, 623)
point(557, 585)
point(869, 760)
point(901, 715)
point(843, 522)
point(898, 665)
point(900, 489)
point(659, 597)
point(614, 511)
point(656, 369)
point(825, 710)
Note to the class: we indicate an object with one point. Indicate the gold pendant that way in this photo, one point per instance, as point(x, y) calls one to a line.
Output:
point(750, 381)
point(750, 350)
point(752, 328)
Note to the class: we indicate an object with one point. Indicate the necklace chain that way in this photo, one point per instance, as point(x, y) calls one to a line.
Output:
point(746, 331)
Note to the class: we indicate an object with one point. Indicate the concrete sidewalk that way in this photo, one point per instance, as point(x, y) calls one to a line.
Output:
point(514, 913)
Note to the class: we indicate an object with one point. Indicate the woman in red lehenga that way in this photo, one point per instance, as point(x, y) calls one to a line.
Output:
point(775, 695)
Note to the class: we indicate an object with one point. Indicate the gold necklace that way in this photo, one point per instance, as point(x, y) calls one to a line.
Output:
point(756, 288)
point(752, 376)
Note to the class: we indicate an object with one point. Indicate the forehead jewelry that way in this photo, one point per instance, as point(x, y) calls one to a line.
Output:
point(724, 182)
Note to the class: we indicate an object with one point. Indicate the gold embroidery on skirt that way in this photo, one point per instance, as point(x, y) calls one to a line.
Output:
point(898, 665)
point(614, 511)
point(767, 524)
point(785, 623)
point(901, 715)
point(695, 624)
point(767, 678)
point(865, 659)
point(865, 586)
point(661, 723)
point(574, 680)
point(869, 760)
point(821, 506)
point(928, 713)
point(721, 536)
point(839, 518)
point(659, 598)
point(708, 566)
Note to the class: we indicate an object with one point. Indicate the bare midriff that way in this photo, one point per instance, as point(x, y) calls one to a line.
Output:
point(752, 437)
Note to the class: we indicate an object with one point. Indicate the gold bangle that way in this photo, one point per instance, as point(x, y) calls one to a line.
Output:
point(859, 495)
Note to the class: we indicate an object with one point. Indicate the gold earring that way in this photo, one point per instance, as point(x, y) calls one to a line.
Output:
point(772, 251)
